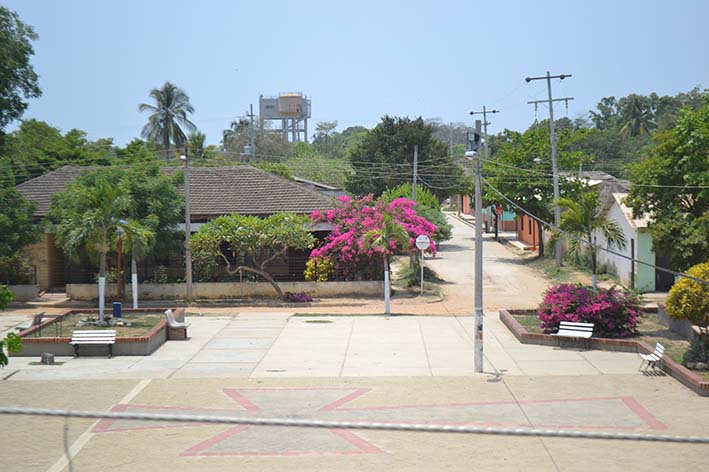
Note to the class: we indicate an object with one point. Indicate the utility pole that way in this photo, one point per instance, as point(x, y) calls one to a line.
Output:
point(450, 139)
point(251, 132)
point(478, 317)
point(552, 136)
point(188, 251)
point(416, 168)
point(487, 156)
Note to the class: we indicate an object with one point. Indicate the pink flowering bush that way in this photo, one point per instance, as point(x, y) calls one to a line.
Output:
point(346, 246)
point(615, 313)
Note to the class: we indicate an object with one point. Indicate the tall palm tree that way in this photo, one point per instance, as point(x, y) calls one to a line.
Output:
point(583, 218)
point(639, 117)
point(388, 239)
point(167, 114)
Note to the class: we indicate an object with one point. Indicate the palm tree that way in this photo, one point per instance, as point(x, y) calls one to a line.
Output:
point(387, 240)
point(139, 240)
point(167, 114)
point(87, 217)
point(639, 118)
point(583, 218)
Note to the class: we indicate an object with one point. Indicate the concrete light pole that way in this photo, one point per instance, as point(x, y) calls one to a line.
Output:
point(188, 251)
point(552, 136)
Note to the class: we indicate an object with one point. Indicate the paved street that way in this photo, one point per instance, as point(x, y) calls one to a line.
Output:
point(507, 282)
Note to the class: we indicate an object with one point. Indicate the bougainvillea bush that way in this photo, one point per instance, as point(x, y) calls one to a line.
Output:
point(347, 249)
point(614, 312)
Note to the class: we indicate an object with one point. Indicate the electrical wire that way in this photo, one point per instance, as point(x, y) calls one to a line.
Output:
point(577, 238)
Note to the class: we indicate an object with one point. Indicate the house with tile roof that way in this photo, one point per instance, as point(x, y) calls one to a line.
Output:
point(214, 191)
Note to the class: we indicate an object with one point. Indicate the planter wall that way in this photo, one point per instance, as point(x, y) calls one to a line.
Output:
point(225, 290)
point(682, 327)
point(675, 370)
point(38, 340)
point(24, 293)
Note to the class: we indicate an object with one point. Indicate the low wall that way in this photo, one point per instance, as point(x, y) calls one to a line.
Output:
point(24, 293)
point(34, 345)
point(217, 290)
point(675, 370)
point(682, 327)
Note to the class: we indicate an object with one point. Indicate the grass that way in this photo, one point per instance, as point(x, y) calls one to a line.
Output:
point(568, 273)
point(651, 332)
point(141, 324)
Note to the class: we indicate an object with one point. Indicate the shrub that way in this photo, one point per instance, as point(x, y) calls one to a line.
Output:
point(204, 266)
point(319, 269)
point(159, 275)
point(615, 313)
point(300, 297)
point(13, 343)
point(689, 300)
point(5, 296)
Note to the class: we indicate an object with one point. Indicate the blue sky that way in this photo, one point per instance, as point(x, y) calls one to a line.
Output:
point(357, 60)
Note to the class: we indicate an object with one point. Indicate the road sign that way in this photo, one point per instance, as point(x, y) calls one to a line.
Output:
point(499, 210)
point(423, 242)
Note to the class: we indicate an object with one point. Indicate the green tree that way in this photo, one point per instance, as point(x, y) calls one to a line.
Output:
point(638, 115)
point(671, 185)
point(86, 215)
point(136, 151)
point(16, 227)
point(260, 241)
point(155, 210)
point(167, 115)
point(18, 80)
point(13, 343)
point(531, 188)
point(584, 218)
point(384, 159)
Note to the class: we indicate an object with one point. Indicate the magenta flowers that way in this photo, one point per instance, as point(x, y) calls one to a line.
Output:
point(614, 312)
point(352, 255)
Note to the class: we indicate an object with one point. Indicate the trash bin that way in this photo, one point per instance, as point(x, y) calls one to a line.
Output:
point(117, 309)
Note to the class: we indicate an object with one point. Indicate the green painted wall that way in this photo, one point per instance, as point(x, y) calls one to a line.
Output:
point(645, 280)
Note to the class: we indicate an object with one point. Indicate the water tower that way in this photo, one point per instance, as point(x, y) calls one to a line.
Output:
point(292, 110)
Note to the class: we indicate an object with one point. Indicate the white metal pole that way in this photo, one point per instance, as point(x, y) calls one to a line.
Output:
point(422, 271)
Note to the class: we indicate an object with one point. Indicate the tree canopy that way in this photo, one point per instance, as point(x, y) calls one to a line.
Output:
point(18, 80)
point(260, 240)
point(384, 159)
point(672, 186)
point(167, 116)
point(16, 227)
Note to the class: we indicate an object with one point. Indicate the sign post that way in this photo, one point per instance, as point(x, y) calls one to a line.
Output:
point(423, 242)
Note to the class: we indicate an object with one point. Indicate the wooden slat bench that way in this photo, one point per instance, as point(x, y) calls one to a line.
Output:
point(107, 336)
point(653, 358)
point(575, 331)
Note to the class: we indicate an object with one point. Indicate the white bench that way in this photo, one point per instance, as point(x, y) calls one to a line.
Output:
point(107, 337)
point(176, 330)
point(572, 330)
point(653, 358)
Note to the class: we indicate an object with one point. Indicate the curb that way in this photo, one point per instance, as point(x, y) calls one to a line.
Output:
point(677, 371)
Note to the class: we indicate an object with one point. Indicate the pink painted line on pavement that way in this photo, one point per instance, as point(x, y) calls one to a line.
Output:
point(335, 406)
point(245, 403)
point(639, 410)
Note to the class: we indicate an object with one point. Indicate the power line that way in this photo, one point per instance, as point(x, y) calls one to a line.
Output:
point(610, 251)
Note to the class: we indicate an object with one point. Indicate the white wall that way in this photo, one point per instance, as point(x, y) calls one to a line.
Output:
point(617, 265)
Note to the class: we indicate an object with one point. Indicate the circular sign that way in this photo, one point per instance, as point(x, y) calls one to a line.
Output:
point(423, 242)
point(499, 210)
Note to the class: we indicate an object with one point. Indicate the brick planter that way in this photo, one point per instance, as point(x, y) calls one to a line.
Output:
point(678, 371)
point(127, 346)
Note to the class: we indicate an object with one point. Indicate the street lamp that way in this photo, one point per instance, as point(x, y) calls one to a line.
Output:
point(120, 231)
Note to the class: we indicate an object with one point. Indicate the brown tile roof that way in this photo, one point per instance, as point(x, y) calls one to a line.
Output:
point(214, 191)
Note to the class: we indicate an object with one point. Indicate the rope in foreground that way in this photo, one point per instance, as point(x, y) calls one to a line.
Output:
point(299, 423)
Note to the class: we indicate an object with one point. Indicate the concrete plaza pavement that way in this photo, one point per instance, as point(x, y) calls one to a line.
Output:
point(262, 345)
